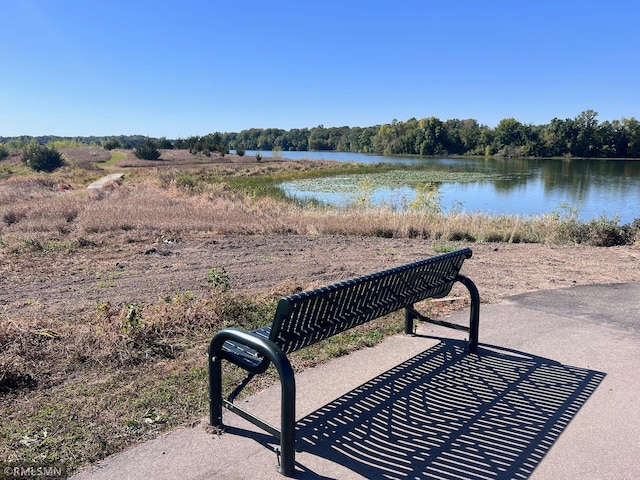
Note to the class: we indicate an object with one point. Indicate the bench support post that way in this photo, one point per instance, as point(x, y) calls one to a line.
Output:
point(288, 390)
point(410, 314)
point(474, 314)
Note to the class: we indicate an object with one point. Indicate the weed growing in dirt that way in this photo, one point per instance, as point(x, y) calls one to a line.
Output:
point(218, 278)
point(444, 248)
point(132, 318)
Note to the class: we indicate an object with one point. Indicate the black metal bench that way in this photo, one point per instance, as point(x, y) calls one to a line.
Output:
point(309, 317)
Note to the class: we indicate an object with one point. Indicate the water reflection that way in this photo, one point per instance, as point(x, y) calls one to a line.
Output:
point(521, 187)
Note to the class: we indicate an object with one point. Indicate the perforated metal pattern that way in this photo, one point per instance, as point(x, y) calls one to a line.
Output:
point(308, 317)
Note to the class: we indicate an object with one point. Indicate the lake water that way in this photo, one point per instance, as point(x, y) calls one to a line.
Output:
point(522, 186)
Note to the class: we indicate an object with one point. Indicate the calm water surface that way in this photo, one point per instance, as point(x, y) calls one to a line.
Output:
point(524, 187)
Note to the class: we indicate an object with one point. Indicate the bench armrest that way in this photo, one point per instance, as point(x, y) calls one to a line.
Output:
point(237, 347)
point(274, 354)
point(251, 342)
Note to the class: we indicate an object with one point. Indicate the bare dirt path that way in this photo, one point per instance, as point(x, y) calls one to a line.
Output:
point(73, 284)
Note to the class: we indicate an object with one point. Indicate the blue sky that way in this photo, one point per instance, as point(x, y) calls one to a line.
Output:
point(182, 68)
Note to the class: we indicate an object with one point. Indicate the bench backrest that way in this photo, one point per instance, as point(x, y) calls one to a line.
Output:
point(308, 317)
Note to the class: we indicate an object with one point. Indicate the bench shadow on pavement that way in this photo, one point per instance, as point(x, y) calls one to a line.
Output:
point(447, 414)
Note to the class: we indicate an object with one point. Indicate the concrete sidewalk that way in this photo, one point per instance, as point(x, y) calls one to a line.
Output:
point(554, 393)
point(105, 180)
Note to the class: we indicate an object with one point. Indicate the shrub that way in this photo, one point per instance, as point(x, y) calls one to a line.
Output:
point(604, 232)
point(164, 143)
point(42, 158)
point(4, 152)
point(460, 236)
point(240, 151)
point(427, 199)
point(111, 144)
point(147, 150)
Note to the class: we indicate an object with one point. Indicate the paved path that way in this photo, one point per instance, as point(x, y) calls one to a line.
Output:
point(554, 393)
point(103, 181)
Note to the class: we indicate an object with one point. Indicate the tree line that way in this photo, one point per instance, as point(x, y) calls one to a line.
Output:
point(582, 136)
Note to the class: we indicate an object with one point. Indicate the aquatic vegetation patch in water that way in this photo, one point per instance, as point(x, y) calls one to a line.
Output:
point(395, 178)
point(363, 188)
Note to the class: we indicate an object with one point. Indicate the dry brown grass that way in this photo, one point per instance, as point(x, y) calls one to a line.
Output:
point(85, 157)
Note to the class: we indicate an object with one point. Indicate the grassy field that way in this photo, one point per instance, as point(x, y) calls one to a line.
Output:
point(74, 392)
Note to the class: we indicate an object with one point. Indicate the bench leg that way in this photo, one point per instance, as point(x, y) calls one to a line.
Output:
point(287, 416)
point(474, 314)
point(215, 390)
point(408, 322)
point(287, 434)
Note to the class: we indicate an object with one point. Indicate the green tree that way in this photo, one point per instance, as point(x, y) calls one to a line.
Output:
point(430, 137)
point(389, 139)
point(147, 150)
point(613, 138)
point(554, 138)
point(469, 132)
point(299, 139)
point(164, 143)
point(451, 137)
point(632, 129)
point(319, 138)
point(587, 143)
point(366, 139)
point(216, 143)
point(485, 141)
point(42, 158)
point(509, 137)
point(111, 143)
